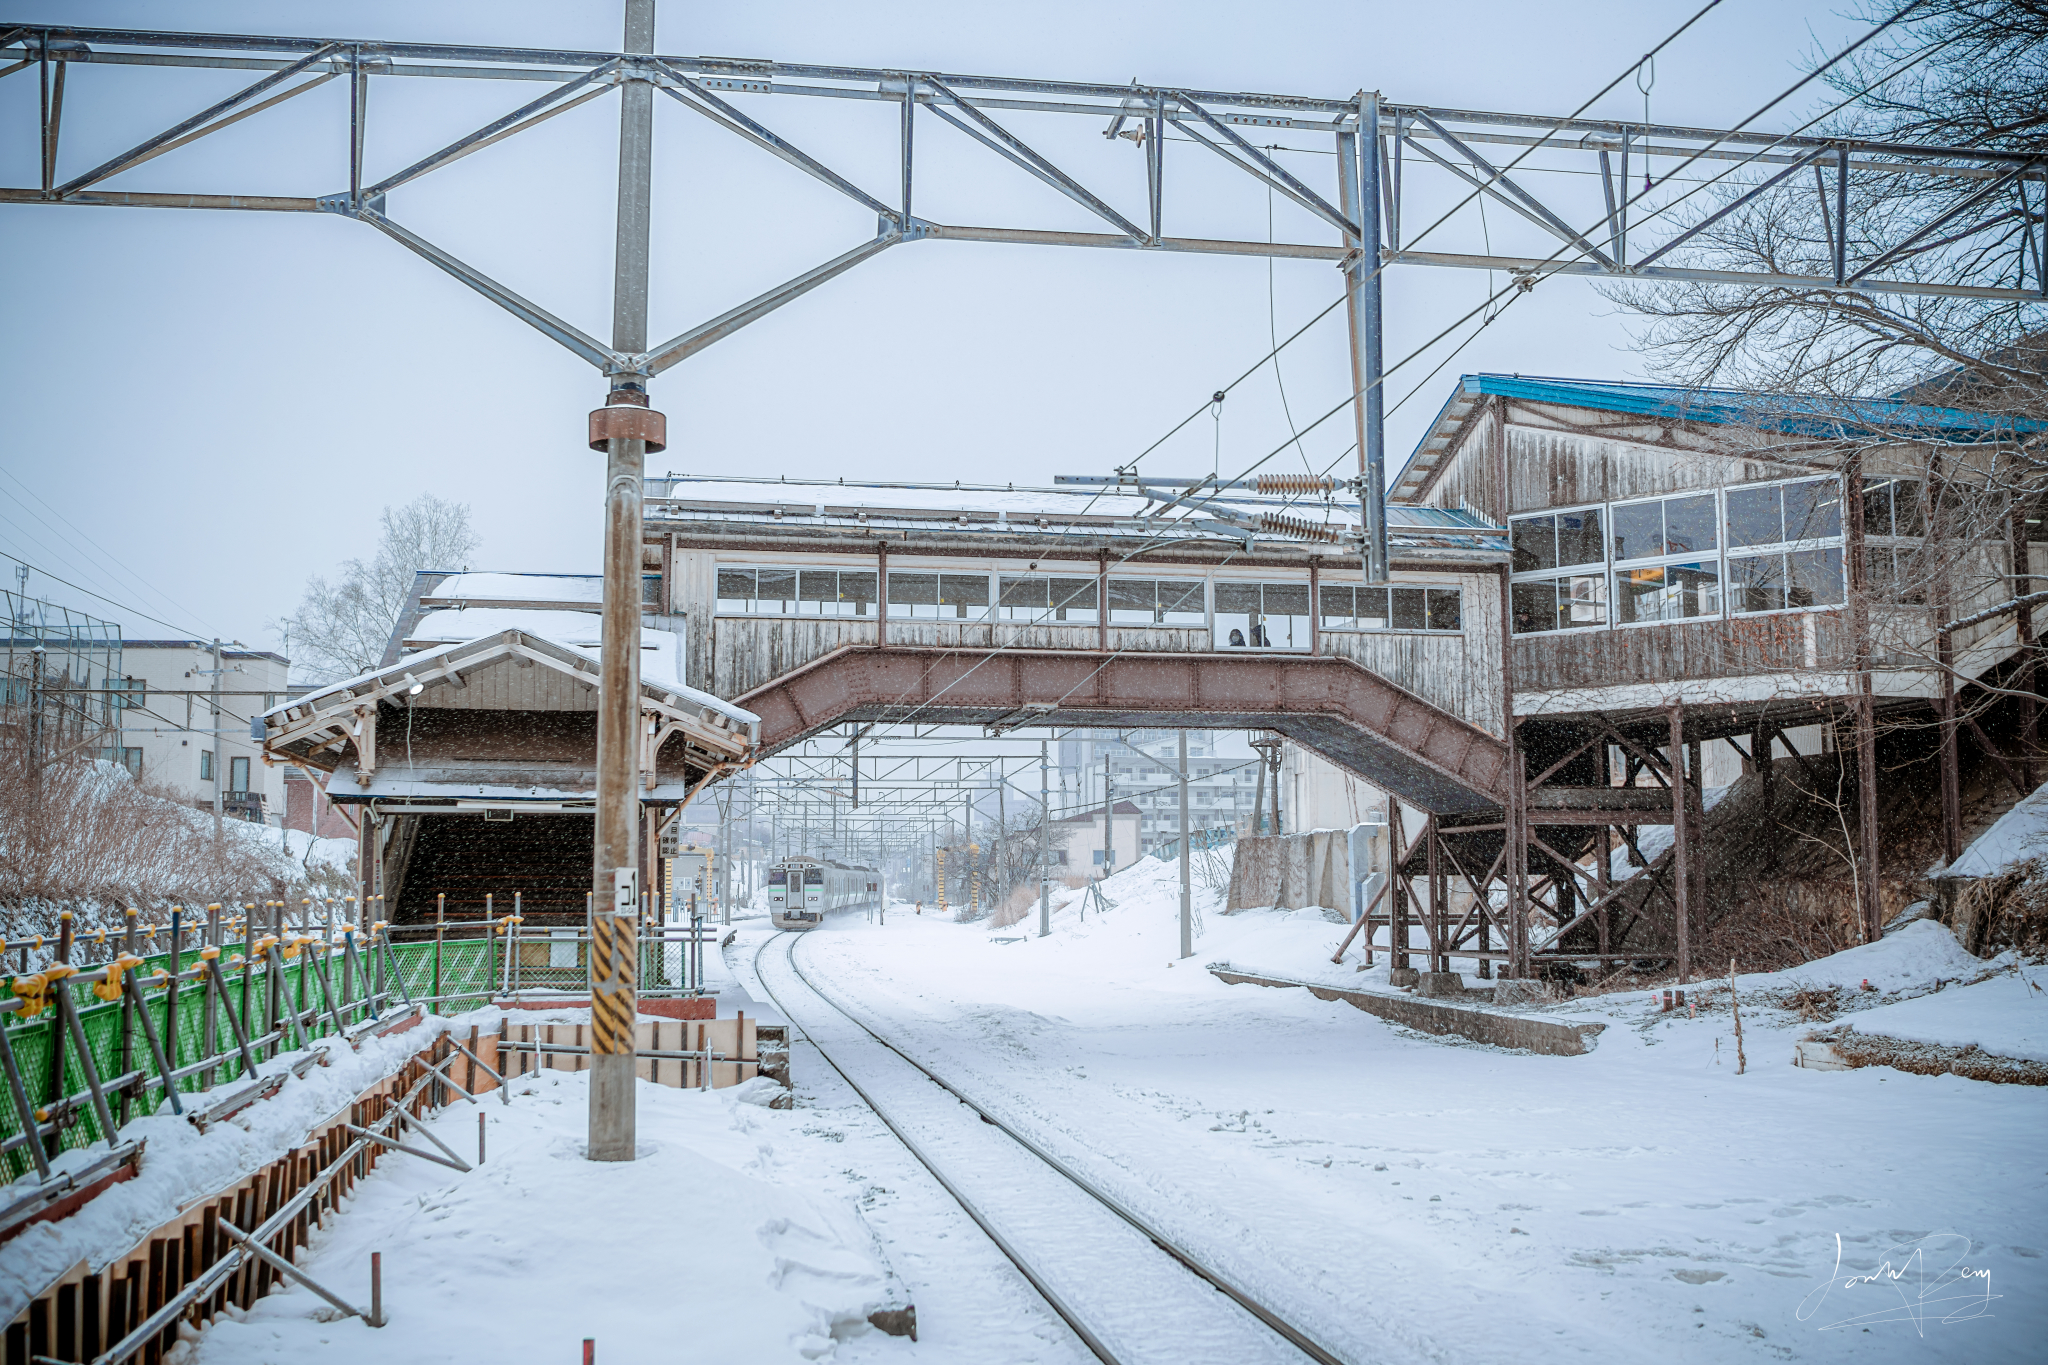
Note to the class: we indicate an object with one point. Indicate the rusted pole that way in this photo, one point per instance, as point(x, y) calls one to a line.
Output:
point(1681, 842)
point(1397, 906)
point(627, 428)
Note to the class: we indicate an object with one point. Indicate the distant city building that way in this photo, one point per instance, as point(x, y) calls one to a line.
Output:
point(171, 734)
point(1142, 768)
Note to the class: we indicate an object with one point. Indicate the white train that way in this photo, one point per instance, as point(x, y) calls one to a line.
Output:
point(802, 891)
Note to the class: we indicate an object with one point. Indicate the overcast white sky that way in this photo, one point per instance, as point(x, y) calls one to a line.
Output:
point(205, 408)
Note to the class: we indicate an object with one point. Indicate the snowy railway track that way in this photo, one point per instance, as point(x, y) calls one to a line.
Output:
point(1130, 1293)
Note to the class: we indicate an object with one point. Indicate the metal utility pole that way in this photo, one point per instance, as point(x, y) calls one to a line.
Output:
point(1108, 821)
point(213, 745)
point(626, 428)
point(1044, 846)
point(1187, 896)
point(1358, 184)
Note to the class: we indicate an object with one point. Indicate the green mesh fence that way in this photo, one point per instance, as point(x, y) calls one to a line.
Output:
point(469, 971)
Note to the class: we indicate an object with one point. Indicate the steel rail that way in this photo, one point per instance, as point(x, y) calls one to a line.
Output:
point(1294, 1336)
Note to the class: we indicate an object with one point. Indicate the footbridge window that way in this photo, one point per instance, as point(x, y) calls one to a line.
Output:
point(1262, 616)
point(1046, 599)
point(750, 591)
point(1396, 606)
point(938, 596)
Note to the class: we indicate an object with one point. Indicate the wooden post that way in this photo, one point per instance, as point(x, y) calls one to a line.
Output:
point(129, 943)
point(1864, 703)
point(1397, 890)
point(1437, 927)
point(1951, 771)
point(1761, 741)
point(56, 1090)
point(2022, 584)
point(1681, 841)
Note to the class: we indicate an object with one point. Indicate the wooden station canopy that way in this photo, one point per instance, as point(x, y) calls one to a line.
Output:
point(509, 718)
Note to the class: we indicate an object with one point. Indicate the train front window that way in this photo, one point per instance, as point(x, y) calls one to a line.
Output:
point(777, 877)
point(815, 877)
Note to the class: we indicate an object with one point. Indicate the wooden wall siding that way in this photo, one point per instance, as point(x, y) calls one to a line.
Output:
point(1460, 673)
point(1679, 651)
point(693, 579)
point(505, 686)
point(1472, 478)
point(747, 651)
point(1563, 469)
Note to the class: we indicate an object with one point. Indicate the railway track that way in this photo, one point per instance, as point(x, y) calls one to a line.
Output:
point(1128, 1291)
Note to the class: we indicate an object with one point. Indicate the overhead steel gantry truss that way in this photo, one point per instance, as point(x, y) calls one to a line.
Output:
point(1396, 164)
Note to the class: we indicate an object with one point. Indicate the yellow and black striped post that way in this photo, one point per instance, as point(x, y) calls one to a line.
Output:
point(614, 1006)
point(942, 881)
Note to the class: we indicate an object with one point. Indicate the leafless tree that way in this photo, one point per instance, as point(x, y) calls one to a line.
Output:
point(341, 629)
point(1960, 73)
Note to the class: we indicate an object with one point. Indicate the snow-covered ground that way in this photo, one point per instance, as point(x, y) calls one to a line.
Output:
point(1404, 1198)
point(1413, 1198)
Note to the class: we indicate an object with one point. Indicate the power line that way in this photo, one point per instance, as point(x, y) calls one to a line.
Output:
point(124, 606)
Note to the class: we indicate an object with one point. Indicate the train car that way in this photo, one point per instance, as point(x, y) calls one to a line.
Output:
point(802, 891)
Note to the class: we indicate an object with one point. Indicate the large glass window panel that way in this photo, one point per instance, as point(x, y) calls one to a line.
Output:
point(1639, 530)
point(1877, 507)
point(1372, 607)
point(1287, 608)
point(818, 592)
point(1534, 606)
point(1756, 583)
point(1814, 578)
point(1182, 602)
point(1237, 606)
point(1813, 510)
point(1582, 599)
point(1023, 597)
point(915, 595)
point(1133, 602)
point(1667, 592)
point(1689, 524)
point(1410, 608)
point(736, 590)
point(1073, 600)
point(1339, 606)
point(775, 592)
point(1906, 509)
point(856, 595)
point(1446, 609)
point(1535, 542)
point(1578, 538)
point(963, 596)
point(1755, 517)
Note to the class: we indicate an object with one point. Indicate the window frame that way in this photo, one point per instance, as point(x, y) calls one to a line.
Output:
point(796, 599)
point(1723, 554)
point(1425, 586)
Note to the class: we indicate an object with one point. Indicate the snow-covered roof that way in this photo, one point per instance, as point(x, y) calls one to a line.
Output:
point(661, 651)
point(485, 588)
point(660, 668)
point(1140, 509)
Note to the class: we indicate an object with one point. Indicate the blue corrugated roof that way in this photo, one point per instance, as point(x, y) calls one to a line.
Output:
point(1796, 414)
point(1800, 413)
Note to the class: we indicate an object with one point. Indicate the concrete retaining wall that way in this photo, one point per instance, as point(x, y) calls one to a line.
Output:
point(1551, 1037)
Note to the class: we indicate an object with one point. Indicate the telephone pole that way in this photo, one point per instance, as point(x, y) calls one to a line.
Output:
point(626, 429)
point(1044, 846)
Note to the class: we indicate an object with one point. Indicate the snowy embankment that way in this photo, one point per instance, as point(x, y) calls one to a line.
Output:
point(1409, 1198)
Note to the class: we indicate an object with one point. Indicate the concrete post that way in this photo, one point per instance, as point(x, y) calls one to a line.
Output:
point(1187, 899)
point(1044, 845)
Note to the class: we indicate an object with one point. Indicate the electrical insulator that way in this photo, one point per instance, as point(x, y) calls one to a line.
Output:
point(1321, 484)
point(1275, 524)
